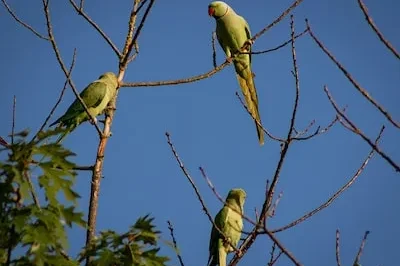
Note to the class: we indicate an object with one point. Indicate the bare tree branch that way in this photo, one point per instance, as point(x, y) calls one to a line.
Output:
point(217, 69)
point(357, 131)
point(258, 122)
point(336, 194)
point(59, 98)
point(271, 190)
point(338, 248)
point(375, 28)
point(61, 62)
point(357, 259)
point(283, 249)
point(171, 230)
point(350, 78)
point(278, 19)
point(196, 190)
point(275, 205)
point(30, 28)
point(125, 57)
point(79, 10)
point(274, 259)
point(279, 46)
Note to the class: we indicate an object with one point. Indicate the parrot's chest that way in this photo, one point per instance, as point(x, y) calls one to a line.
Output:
point(231, 35)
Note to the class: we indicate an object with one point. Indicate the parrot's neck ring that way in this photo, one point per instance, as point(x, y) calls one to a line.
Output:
point(226, 11)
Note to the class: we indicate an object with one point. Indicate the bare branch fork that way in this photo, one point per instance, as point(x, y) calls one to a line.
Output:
point(218, 68)
point(337, 193)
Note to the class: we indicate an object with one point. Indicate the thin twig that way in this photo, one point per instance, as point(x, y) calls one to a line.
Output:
point(171, 230)
point(336, 194)
point(59, 97)
point(137, 33)
point(200, 198)
point(62, 65)
point(359, 132)
point(11, 12)
point(13, 119)
point(278, 19)
point(275, 259)
point(131, 29)
point(269, 134)
point(338, 248)
point(357, 259)
point(214, 54)
point(350, 78)
point(285, 148)
point(303, 132)
point(318, 131)
point(79, 10)
point(81, 5)
point(283, 249)
point(275, 205)
point(375, 28)
point(272, 254)
point(279, 46)
point(218, 68)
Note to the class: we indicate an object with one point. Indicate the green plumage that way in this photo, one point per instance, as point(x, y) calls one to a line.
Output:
point(96, 97)
point(230, 221)
point(233, 32)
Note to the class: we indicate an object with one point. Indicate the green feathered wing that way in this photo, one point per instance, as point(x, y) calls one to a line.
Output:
point(96, 97)
point(229, 220)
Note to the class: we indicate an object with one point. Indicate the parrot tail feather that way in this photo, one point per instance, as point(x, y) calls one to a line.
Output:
point(251, 99)
point(222, 257)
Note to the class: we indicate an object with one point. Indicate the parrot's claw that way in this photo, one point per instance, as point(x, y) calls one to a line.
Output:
point(248, 42)
point(229, 59)
point(102, 121)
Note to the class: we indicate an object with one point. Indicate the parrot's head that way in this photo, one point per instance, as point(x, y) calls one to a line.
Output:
point(110, 76)
point(238, 195)
point(217, 9)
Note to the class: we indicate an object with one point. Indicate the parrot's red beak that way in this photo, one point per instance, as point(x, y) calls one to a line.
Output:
point(211, 11)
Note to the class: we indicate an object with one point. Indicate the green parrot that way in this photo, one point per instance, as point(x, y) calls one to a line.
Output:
point(96, 96)
point(232, 33)
point(229, 220)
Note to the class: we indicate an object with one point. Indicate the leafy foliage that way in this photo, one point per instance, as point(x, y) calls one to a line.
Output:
point(33, 218)
point(136, 247)
point(31, 222)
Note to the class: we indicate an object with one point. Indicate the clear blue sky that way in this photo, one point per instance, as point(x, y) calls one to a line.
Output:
point(210, 128)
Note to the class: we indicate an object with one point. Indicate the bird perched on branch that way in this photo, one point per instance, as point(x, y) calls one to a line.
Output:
point(230, 222)
point(96, 97)
point(233, 32)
